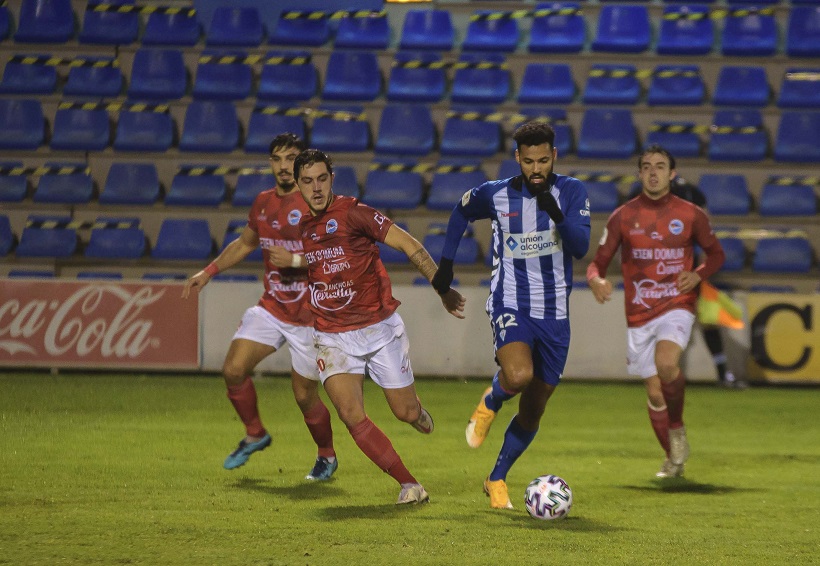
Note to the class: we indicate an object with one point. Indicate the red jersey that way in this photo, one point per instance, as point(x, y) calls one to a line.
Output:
point(349, 286)
point(275, 219)
point(657, 240)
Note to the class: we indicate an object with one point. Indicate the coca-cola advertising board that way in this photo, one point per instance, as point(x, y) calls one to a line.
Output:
point(97, 325)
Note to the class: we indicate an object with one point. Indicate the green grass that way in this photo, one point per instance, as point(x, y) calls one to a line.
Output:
point(127, 469)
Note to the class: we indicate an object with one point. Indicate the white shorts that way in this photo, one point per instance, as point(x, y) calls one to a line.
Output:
point(675, 326)
point(381, 350)
point(261, 326)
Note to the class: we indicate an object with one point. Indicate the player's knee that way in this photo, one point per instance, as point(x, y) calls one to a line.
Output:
point(517, 379)
point(667, 371)
point(407, 413)
point(233, 373)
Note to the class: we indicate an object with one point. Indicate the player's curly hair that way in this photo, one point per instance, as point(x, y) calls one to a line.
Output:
point(534, 132)
point(310, 157)
point(286, 140)
point(655, 148)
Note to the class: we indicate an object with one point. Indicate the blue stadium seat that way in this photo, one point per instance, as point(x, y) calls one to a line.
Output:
point(782, 255)
point(109, 28)
point(447, 188)
point(678, 85)
point(45, 21)
point(106, 275)
point(546, 83)
point(144, 131)
point(164, 276)
point(603, 195)
point(31, 274)
point(491, 34)
point(749, 34)
point(427, 29)
point(769, 288)
point(791, 200)
point(797, 137)
point(38, 241)
point(803, 32)
point(13, 188)
point(210, 126)
point(562, 31)
point(557, 117)
point(508, 168)
point(22, 125)
point(79, 129)
point(7, 239)
point(235, 26)
point(158, 74)
point(249, 185)
point(393, 190)
point(332, 133)
point(735, 251)
point(183, 239)
point(369, 32)
point(686, 30)
point(120, 238)
point(292, 32)
point(725, 194)
point(612, 84)
point(607, 133)
point(94, 82)
point(467, 253)
point(5, 22)
point(345, 182)
point(263, 127)
point(681, 143)
point(742, 86)
point(180, 29)
point(196, 190)
point(352, 75)
point(20, 77)
point(622, 29)
point(739, 145)
point(288, 81)
point(131, 183)
point(233, 231)
point(471, 138)
point(218, 81)
point(406, 129)
point(409, 84)
point(73, 188)
point(799, 88)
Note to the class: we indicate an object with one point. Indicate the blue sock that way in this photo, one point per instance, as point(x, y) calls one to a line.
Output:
point(516, 440)
point(495, 399)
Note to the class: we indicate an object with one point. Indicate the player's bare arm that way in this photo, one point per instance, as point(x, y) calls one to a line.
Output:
point(233, 253)
point(687, 281)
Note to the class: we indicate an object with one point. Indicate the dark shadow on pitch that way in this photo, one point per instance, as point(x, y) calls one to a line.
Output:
point(388, 510)
point(301, 491)
point(683, 485)
point(574, 523)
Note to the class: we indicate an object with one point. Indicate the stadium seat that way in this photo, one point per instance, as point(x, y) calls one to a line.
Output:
point(612, 84)
point(109, 28)
point(180, 29)
point(45, 21)
point(368, 32)
point(782, 255)
point(678, 85)
point(117, 238)
point(787, 200)
point(249, 185)
point(749, 33)
point(144, 131)
point(164, 276)
point(39, 240)
point(235, 26)
point(686, 30)
point(557, 117)
point(5, 22)
point(799, 88)
point(467, 253)
point(742, 86)
point(603, 195)
point(218, 81)
point(346, 132)
point(22, 125)
point(210, 126)
point(183, 239)
point(406, 129)
point(797, 137)
point(289, 80)
point(546, 83)
point(106, 275)
point(427, 29)
point(196, 190)
point(20, 77)
point(677, 137)
point(131, 183)
point(13, 188)
point(447, 188)
point(81, 130)
point(490, 35)
point(7, 239)
point(725, 194)
point(31, 274)
point(233, 231)
point(345, 181)
point(562, 31)
point(57, 188)
point(508, 168)
point(352, 75)
point(803, 31)
point(607, 133)
point(96, 82)
point(391, 190)
point(739, 145)
point(416, 84)
point(471, 138)
point(735, 251)
point(622, 29)
point(292, 32)
point(158, 74)
point(263, 126)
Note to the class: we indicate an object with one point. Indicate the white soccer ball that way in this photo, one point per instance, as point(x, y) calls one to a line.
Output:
point(547, 498)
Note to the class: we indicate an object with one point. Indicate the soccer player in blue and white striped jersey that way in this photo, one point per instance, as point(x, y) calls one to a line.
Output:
point(540, 222)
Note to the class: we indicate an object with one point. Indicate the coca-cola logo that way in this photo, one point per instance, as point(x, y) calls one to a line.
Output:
point(647, 289)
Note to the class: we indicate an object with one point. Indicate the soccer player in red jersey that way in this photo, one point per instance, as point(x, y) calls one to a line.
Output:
point(281, 316)
point(357, 328)
point(657, 233)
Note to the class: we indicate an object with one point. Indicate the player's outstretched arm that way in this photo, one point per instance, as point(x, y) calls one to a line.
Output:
point(601, 289)
point(233, 253)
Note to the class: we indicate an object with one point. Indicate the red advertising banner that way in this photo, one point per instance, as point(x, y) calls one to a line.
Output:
point(97, 325)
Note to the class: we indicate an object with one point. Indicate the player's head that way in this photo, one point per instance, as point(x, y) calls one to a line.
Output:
point(535, 153)
point(656, 168)
point(313, 171)
point(283, 150)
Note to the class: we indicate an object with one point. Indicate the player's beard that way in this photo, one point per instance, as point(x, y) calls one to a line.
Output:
point(530, 186)
point(287, 186)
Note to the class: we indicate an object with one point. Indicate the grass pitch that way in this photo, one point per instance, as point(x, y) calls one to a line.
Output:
point(127, 469)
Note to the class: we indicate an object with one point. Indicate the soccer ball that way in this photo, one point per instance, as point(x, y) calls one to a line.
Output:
point(547, 498)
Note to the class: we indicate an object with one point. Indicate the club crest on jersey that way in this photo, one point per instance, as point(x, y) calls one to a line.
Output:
point(275, 224)
point(675, 226)
point(331, 226)
point(293, 217)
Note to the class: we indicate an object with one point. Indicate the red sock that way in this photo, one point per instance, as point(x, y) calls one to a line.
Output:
point(243, 398)
point(317, 420)
point(376, 446)
point(673, 394)
point(660, 424)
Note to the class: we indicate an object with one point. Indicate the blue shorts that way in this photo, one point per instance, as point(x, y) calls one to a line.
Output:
point(548, 339)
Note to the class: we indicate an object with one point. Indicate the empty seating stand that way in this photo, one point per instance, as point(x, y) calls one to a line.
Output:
point(116, 238)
